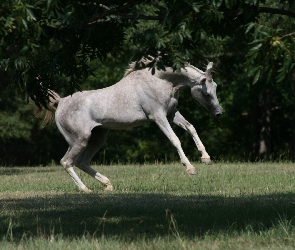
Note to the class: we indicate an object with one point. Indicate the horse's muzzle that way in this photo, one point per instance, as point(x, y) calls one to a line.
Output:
point(218, 112)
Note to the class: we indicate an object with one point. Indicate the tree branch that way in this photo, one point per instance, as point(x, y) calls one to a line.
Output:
point(161, 8)
point(139, 16)
point(164, 10)
point(94, 4)
point(290, 34)
point(115, 10)
point(130, 17)
point(276, 11)
point(233, 13)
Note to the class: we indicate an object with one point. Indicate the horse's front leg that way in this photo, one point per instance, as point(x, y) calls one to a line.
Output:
point(164, 125)
point(180, 121)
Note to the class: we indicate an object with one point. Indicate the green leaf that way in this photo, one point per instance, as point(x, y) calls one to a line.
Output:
point(180, 37)
point(258, 46)
point(25, 23)
point(250, 26)
point(256, 78)
point(253, 71)
point(30, 15)
point(196, 7)
point(49, 2)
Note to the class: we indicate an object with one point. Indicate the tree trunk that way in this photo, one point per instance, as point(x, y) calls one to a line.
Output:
point(261, 119)
point(255, 114)
point(265, 131)
point(293, 91)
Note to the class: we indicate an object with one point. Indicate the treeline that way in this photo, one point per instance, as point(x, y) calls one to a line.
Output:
point(73, 46)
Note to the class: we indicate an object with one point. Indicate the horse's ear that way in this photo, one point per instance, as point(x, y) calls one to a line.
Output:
point(209, 71)
point(209, 66)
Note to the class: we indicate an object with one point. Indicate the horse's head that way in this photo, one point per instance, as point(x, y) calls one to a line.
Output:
point(204, 91)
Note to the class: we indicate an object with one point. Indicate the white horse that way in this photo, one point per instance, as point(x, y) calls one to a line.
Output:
point(85, 118)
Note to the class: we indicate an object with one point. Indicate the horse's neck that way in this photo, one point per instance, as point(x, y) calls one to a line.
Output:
point(178, 80)
point(168, 79)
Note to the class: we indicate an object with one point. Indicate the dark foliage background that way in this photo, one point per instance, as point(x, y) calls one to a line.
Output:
point(70, 46)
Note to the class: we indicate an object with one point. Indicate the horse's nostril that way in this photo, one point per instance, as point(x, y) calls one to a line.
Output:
point(218, 114)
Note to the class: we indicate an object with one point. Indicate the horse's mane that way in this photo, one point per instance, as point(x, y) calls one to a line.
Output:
point(141, 64)
point(130, 69)
point(193, 67)
point(144, 62)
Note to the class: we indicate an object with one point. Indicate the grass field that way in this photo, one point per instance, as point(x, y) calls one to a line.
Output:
point(226, 206)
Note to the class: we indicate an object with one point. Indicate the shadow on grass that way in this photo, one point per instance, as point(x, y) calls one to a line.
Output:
point(150, 215)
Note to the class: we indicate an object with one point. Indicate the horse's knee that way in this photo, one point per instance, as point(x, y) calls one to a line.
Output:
point(66, 164)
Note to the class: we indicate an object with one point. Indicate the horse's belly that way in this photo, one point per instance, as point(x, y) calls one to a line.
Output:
point(118, 125)
point(122, 120)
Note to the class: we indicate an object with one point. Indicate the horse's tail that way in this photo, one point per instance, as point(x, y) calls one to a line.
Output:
point(48, 112)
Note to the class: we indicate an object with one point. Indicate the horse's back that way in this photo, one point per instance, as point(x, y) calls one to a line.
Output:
point(114, 107)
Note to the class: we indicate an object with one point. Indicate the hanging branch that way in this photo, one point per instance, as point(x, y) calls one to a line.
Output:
point(290, 34)
point(276, 11)
point(115, 10)
point(236, 12)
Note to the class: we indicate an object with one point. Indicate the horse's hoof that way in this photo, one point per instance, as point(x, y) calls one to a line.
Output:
point(109, 188)
point(207, 161)
point(86, 190)
point(191, 171)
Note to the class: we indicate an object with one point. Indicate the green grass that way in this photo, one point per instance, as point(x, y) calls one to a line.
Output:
point(226, 206)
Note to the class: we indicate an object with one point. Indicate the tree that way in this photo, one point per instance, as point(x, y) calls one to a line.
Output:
point(251, 41)
point(42, 39)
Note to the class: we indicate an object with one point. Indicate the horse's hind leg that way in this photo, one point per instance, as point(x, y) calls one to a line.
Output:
point(68, 161)
point(97, 139)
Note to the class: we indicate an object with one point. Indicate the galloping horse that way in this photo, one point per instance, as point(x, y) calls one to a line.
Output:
point(85, 118)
